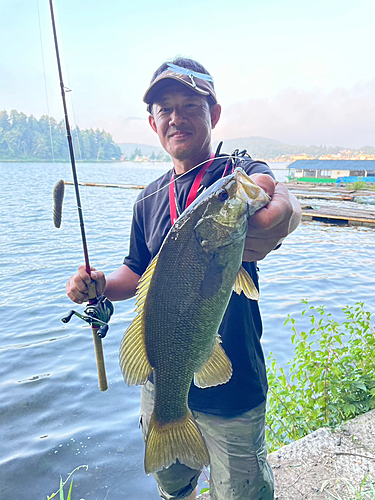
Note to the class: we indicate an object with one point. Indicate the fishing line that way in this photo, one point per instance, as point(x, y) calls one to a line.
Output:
point(45, 83)
point(180, 176)
point(88, 201)
point(66, 70)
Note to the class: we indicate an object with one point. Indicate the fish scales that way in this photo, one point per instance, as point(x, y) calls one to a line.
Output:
point(182, 299)
point(175, 305)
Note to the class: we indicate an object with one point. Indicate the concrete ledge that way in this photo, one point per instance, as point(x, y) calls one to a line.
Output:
point(325, 462)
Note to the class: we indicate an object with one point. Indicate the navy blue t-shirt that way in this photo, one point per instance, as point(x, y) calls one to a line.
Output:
point(241, 328)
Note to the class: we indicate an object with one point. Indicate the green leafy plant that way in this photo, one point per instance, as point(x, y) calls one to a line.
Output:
point(330, 379)
point(60, 491)
point(205, 473)
point(357, 185)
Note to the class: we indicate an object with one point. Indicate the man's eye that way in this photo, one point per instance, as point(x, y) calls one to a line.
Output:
point(191, 105)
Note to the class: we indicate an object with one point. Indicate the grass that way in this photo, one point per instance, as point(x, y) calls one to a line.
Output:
point(366, 491)
point(60, 491)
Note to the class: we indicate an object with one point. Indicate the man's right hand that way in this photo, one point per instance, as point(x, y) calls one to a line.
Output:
point(76, 288)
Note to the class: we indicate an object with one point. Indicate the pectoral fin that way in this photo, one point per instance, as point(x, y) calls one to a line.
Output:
point(217, 369)
point(245, 284)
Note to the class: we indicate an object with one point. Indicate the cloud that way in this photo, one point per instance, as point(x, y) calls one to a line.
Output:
point(341, 117)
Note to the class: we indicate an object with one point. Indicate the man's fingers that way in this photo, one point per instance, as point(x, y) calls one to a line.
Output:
point(83, 274)
point(77, 292)
point(276, 212)
point(265, 181)
point(77, 286)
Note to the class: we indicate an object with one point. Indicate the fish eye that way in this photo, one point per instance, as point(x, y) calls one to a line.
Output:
point(223, 195)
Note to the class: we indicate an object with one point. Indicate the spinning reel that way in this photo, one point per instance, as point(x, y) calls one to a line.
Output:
point(96, 314)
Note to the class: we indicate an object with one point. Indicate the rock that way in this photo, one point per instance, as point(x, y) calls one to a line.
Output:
point(325, 462)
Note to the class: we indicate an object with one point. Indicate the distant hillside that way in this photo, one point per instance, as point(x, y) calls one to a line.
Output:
point(261, 147)
point(257, 147)
point(368, 149)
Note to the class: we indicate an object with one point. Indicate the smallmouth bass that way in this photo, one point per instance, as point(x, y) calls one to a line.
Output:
point(181, 301)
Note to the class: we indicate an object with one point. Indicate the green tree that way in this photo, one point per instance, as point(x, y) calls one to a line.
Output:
point(27, 138)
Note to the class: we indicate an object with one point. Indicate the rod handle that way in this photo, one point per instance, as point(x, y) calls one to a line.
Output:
point(102, 377)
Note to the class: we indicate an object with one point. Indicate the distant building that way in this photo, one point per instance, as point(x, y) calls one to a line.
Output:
point(332, 170)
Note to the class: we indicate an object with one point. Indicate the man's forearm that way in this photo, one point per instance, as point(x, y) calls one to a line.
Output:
point(121, 284)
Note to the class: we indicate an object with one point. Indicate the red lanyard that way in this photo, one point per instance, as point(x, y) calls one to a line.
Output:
point(192, 193)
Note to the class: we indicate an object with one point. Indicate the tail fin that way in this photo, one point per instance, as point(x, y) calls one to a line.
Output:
point(177, 440)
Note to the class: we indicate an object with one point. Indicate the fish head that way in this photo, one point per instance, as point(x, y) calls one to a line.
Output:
point(225, 208)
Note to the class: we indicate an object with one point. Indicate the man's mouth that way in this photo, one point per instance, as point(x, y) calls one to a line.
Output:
point(179, 134)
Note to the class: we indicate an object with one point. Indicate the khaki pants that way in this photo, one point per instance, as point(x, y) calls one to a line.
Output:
point(238, 456)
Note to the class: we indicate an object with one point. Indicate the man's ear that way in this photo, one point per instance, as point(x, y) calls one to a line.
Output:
point(151, 121)
point(215, 114)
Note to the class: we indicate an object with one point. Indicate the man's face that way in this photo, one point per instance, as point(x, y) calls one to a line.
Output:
point(183, 121)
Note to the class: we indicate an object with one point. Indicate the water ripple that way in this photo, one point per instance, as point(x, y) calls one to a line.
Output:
point(52, 415)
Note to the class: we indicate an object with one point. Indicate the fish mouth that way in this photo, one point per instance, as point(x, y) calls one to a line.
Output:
point(249, 192)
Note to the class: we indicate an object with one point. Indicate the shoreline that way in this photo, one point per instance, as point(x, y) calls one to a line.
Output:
point(325, 463)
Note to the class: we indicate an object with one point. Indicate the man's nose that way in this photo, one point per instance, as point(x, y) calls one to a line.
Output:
point(177, 117)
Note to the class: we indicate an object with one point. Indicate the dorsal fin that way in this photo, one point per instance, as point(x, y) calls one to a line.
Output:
point(134, 363)
point(245, 284)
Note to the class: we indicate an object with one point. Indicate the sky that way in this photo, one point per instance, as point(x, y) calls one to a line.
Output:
point(295, 71)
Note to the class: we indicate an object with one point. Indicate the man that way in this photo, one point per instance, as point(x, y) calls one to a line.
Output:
point(183, 111)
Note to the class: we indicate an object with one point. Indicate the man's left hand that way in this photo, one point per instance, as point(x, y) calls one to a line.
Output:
point(271, 224)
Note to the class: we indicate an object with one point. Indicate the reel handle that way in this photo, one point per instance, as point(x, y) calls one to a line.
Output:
point(68, 317)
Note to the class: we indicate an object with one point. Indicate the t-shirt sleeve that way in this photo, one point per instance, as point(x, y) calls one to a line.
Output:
point(139, 256)
point(258, 167)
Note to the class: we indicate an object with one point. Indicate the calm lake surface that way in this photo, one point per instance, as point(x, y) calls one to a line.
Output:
point(53, 418)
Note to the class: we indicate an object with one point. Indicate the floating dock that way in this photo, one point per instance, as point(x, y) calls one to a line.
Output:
point(329, 214)
point(97, 184)
point(324, 192)
point(342, 217)
point(350, 216)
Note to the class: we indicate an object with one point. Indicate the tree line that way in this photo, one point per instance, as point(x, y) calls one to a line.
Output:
point(161, 156)
point(26, 138)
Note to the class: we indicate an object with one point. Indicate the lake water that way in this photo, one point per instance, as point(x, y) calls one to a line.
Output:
point(53, 418)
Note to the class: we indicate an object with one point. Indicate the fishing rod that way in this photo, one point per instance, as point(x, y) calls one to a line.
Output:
point(99, 309)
